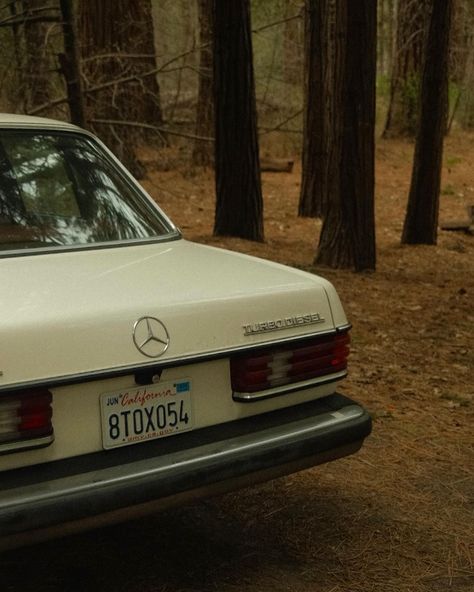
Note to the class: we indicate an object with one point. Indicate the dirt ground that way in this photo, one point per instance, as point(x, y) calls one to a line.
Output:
point(399, 515)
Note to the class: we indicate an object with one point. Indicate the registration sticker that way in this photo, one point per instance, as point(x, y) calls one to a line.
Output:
point(145, 413)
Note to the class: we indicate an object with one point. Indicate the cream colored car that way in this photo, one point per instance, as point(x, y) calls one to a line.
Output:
point(137, 369)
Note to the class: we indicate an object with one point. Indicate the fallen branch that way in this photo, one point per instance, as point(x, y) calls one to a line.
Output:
point(29, 19)
point(466, 225)
point(119, 55)
point(286, 130)
point(46, 106)
point(156, 128)
point(281, 124)
point(276, 23)
point(28, 16)
point(276, 165)
point(153, 72)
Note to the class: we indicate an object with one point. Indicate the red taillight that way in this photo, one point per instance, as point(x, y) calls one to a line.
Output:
point(25, 419)
point(296, 362)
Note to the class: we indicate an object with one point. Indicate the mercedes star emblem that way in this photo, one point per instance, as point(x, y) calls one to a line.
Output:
point(150, 337)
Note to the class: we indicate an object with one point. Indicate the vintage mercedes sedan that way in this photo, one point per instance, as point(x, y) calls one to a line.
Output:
point(139, 370)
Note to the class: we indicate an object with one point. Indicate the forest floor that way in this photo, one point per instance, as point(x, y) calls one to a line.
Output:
point(400, 514)
point(397, 516)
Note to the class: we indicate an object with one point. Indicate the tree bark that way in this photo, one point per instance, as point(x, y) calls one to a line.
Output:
point(318, 108)
point(112, 31)
point(421, 221)
point(464, 65)
point(203, 152)
point(466, 100)
point(382, 38)
point(239, 203)
point(292, 43)
point(34, 60)
point(402, 115)
point(69, 61)
point(348, 232)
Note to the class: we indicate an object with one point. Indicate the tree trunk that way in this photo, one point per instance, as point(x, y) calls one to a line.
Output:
point(387, 16)
point(70, 64)
point(402, 115)
point(348, 233)
point(318, 111)
point(466, 99)
point(239, 205)
point(464, 65)
point(391, 32)
point(292, 43)
point(421, 221)
point(382, 38)
point(118, 42)
point(203, 152)
point(37, 62)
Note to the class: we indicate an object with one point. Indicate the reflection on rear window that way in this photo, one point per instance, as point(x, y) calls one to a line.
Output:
point(61, 189)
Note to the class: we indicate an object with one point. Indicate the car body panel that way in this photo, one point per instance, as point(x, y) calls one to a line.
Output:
point(69, 322)
point(76, 411)
point(72, 313)
point(95, 489)
point(17, 121)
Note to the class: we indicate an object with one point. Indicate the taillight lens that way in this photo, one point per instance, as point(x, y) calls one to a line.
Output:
point(25, 417)
point(296, 362)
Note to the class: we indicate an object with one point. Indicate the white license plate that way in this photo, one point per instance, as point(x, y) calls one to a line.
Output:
point(145, 413)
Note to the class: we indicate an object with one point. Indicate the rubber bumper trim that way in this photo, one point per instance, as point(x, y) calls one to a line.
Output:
point(62, 491)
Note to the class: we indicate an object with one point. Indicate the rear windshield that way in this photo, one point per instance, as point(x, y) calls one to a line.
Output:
point(62, 189)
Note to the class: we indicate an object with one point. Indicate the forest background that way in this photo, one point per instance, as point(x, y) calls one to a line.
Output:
point(397, 516)
point(154, 73)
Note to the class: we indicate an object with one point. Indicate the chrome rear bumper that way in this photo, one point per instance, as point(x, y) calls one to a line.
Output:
point(82, 492)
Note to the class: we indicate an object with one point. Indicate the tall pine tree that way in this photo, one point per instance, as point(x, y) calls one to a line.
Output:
point(421, 221)
point(239, 203)
point(348, 233)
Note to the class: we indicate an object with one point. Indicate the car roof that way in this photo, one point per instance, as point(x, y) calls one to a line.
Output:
point(28, 121)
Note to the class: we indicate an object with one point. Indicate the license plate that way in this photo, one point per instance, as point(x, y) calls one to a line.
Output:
point(145, 413)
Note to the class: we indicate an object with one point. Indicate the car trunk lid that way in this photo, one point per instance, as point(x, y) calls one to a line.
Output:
point(74, 313)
